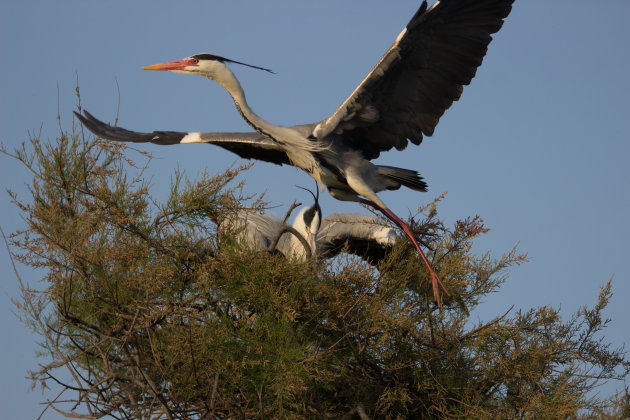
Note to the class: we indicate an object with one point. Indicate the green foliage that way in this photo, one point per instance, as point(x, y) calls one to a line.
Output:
point(153, 313)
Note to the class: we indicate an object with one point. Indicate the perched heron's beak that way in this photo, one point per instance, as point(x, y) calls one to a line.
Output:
point(171, 65)
point(313, 245)
point(310, 238)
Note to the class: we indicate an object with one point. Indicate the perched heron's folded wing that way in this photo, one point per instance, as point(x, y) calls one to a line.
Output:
point(358, 234)
point(254, 230)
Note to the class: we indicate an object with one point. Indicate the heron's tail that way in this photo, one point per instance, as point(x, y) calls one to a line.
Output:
point(407, 177)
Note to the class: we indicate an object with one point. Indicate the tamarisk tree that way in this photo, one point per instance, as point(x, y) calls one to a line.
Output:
point(145, 310)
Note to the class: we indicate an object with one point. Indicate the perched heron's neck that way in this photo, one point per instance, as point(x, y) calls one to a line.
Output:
point(228, 80)
point(296, 246)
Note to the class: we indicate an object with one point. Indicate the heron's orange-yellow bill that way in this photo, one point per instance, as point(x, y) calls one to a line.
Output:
point(171, 65)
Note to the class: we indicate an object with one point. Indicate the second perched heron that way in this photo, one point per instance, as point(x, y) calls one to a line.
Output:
point(323, 238)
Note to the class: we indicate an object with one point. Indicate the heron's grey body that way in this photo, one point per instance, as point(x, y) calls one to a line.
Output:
point(400, 100)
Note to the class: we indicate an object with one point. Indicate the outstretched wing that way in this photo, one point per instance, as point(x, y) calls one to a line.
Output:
point(418, 78)
point(357, 234)
point(247, 145)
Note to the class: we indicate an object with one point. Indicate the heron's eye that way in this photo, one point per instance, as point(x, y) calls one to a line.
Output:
point(194, 61)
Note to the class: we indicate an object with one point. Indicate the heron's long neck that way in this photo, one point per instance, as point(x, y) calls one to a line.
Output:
point(298, 148)
point(296, 246)
point(227, 79)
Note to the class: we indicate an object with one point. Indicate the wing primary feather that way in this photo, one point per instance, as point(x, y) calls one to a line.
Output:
point(418, 77)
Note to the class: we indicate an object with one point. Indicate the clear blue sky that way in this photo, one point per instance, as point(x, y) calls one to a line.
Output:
point(538, 145)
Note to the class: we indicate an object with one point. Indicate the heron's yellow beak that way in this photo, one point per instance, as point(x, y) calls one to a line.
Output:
point(171, 65)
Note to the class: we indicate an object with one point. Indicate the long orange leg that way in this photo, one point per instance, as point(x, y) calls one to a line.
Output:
point(435, 280)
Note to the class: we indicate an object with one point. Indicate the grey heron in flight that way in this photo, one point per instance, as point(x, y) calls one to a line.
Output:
point(354, 233)
point(399, 101)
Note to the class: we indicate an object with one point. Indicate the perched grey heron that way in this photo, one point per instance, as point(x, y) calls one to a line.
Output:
point(354, 233)
point(400, 100)
point(261, 232)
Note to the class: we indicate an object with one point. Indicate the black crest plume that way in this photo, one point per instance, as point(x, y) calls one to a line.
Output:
point(207, 56)
point(310, 214)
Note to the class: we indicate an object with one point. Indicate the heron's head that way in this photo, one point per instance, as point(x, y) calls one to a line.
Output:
point(308, 221)
point(209, 65)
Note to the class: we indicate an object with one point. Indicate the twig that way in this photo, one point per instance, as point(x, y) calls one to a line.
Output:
point(483, 327)
point(118, 106)
point(359, 410)
point(214, 392)
point(50, 403)
point(38, 319)
point(293, 206)
point(59, 112)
